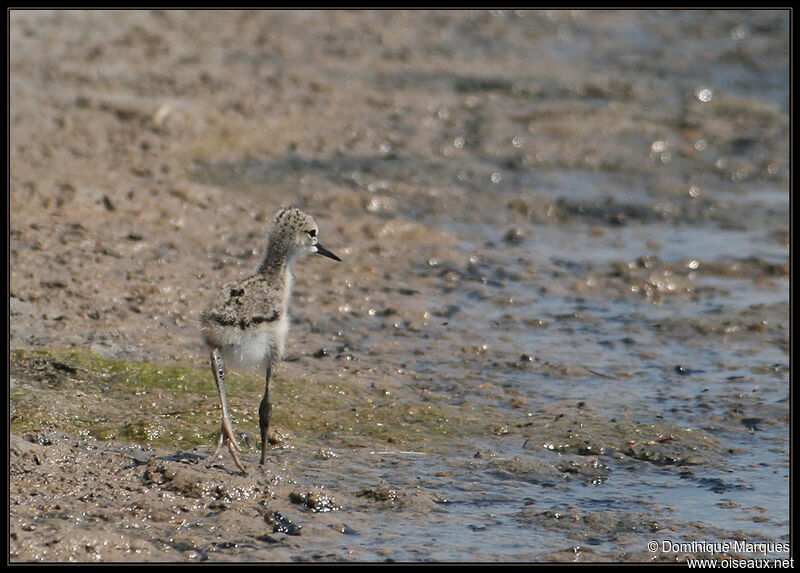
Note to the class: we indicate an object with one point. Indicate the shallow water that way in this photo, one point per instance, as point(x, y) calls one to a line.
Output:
point(617, 352)
point(685, 333)
point(574, 232)
point(610, 348)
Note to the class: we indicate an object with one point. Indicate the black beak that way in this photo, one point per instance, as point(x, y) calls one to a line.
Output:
point(325, 252)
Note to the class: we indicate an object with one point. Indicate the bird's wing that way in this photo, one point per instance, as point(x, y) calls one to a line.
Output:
point(245, 303)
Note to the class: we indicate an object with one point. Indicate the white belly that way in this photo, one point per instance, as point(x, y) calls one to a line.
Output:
point(252, 348)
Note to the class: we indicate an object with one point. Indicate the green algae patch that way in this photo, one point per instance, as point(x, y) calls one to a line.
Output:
point(176, 407)
point(82, 393)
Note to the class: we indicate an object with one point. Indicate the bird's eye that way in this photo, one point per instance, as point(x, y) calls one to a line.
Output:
point(312, 233)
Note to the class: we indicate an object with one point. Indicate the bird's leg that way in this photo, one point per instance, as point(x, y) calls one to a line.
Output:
point(226, 432)
point(264, 414)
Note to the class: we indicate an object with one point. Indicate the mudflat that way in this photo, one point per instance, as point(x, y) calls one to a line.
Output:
point(559, 331)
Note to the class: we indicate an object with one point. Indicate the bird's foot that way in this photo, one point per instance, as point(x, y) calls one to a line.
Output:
point(226, 437)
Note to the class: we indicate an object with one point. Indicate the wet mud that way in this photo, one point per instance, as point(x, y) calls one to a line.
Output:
point(560, 330)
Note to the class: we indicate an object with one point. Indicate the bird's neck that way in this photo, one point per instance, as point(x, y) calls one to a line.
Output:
point(276, 266)
point(276, 262)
